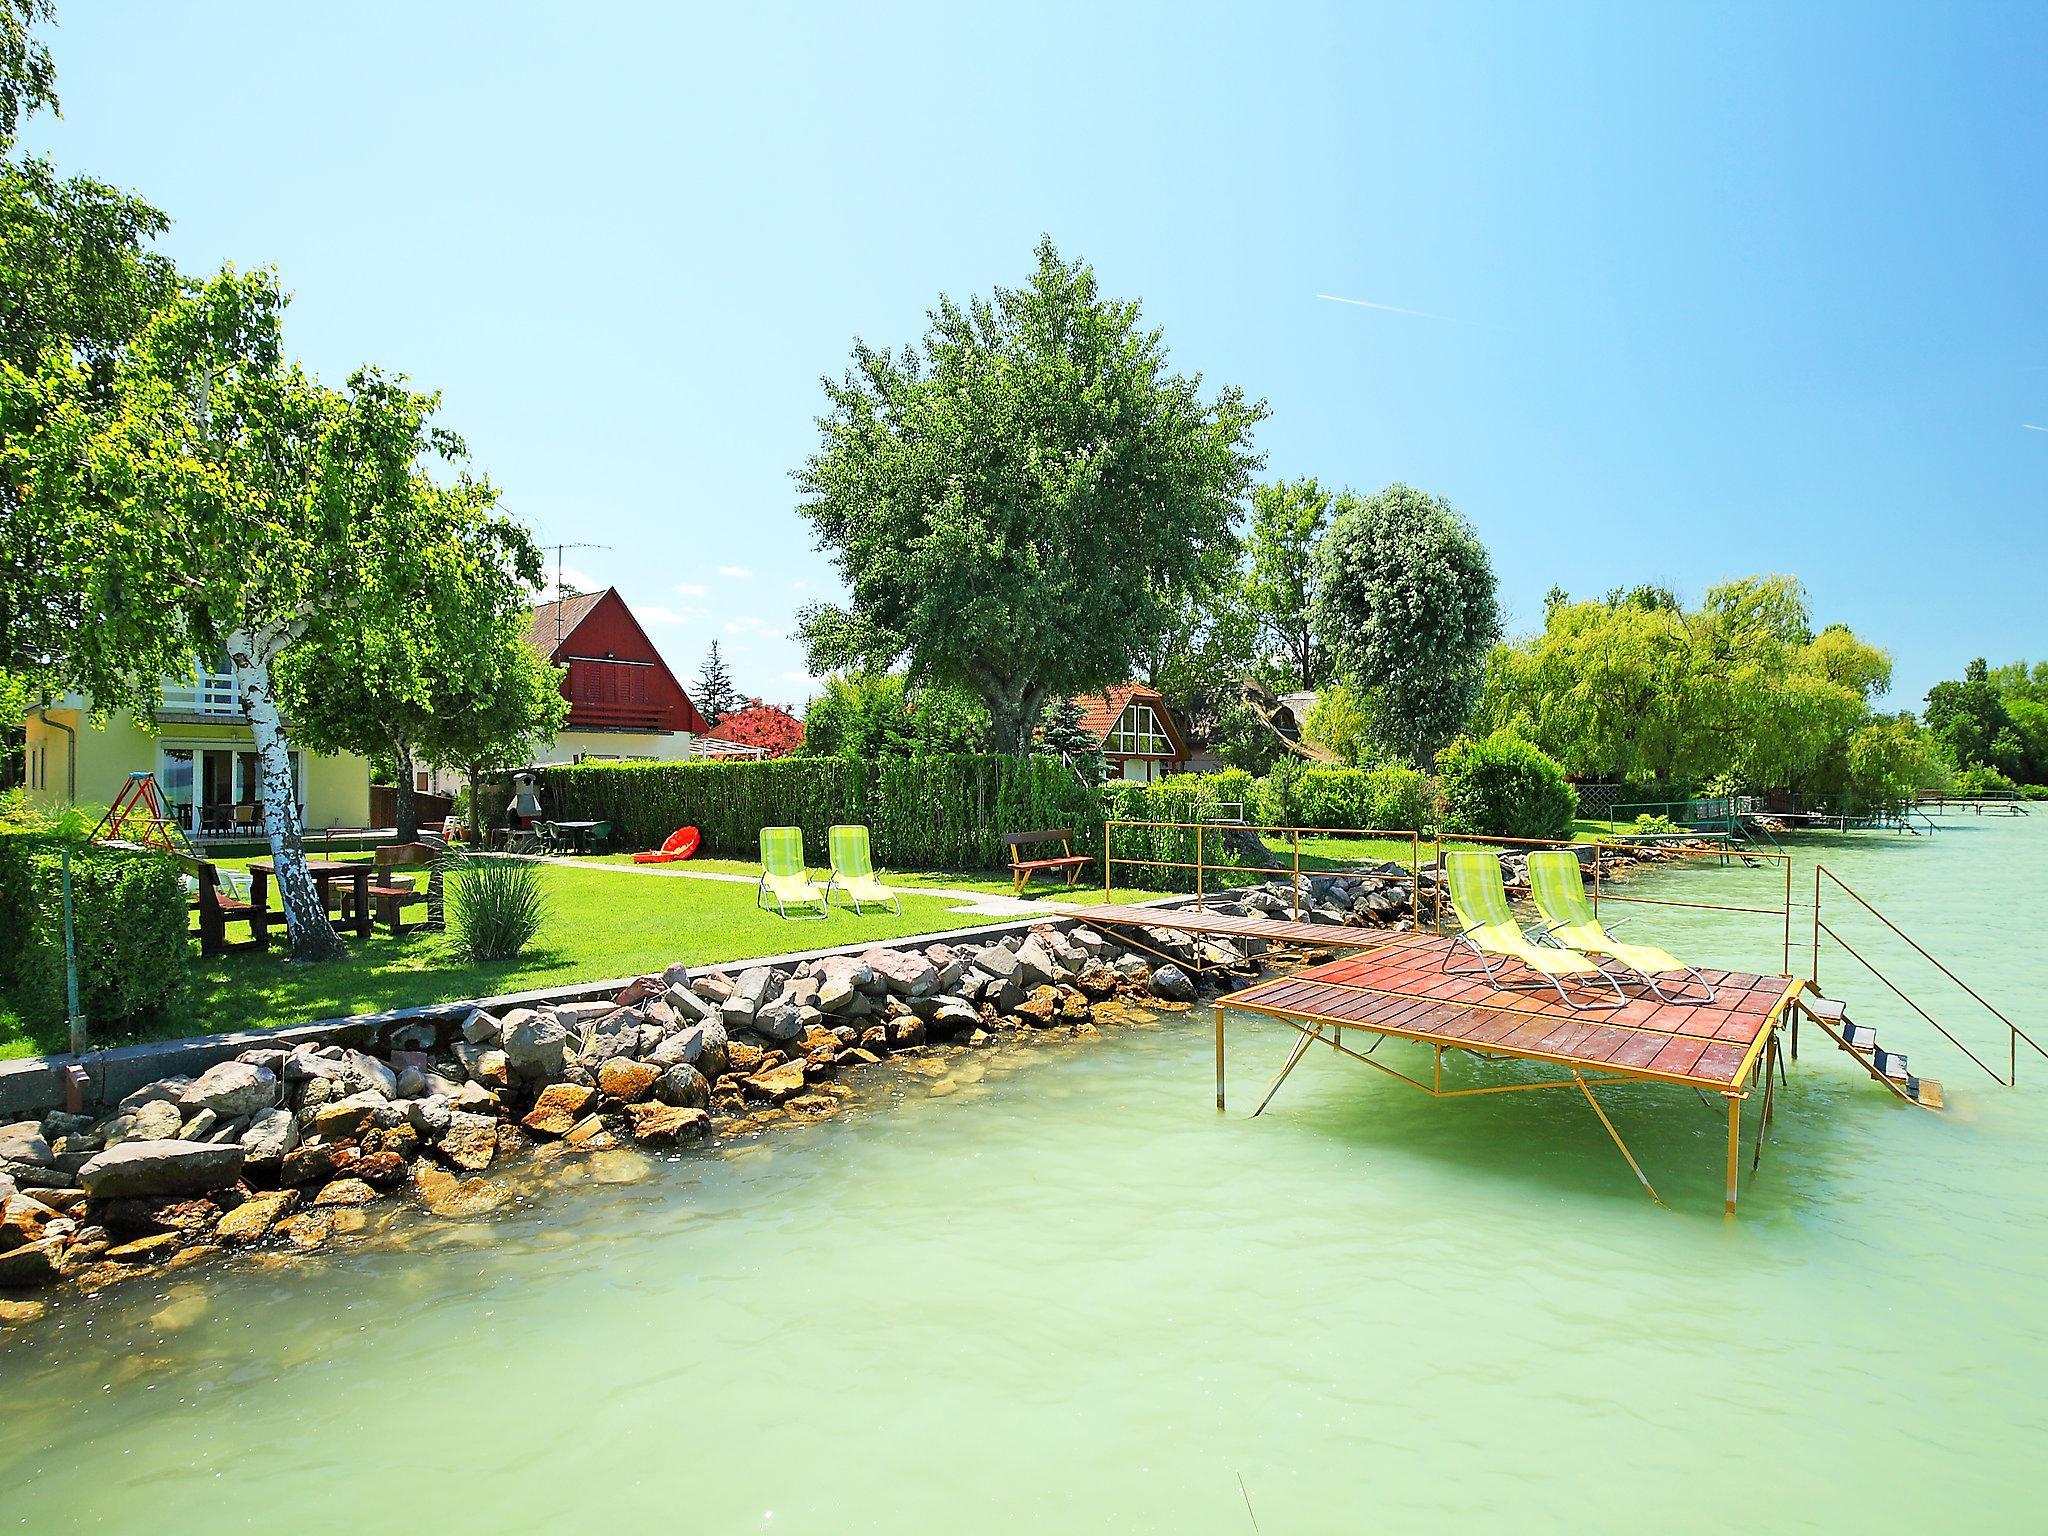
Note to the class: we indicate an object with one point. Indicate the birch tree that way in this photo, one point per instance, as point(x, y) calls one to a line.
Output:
point(254, 510)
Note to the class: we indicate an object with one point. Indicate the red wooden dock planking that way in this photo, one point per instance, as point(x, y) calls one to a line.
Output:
point(1401, 988)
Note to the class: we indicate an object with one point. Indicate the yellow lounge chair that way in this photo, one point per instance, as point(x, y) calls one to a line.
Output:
point(784, 876)
point(853, 870)
point(1494, 937)
point(1558, 885)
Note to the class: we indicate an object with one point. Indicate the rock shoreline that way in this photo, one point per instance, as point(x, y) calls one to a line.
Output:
point(283, 1149)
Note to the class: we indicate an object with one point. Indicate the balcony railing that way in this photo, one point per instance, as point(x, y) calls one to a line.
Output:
point(203, 693)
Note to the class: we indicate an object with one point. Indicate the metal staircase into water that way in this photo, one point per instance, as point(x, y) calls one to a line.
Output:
point(1860, 1041)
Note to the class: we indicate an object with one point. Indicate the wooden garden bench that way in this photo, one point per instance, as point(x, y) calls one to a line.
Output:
point(217, 907)
point(391, 895)
point(1022, 869)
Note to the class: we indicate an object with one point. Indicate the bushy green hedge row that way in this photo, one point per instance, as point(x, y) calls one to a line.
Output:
point(1387, 799)
point(1501, 786)
point(1153, 851)
point(129, 916)
point(924, 813)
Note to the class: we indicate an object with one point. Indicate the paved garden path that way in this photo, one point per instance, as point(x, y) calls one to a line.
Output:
point(985, 903)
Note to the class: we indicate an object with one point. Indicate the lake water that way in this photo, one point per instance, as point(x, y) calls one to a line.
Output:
point(1070, 1296)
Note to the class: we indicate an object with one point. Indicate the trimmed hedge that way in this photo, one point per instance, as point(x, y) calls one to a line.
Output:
point(1386, 799)
point(924, 813)
point(1501, 786)
point(129, 915)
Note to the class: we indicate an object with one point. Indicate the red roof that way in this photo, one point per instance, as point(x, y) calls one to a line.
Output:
point(616, 678)
point(1099, 715)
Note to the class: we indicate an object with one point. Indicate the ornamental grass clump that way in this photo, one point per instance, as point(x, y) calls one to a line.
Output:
point(495, 904)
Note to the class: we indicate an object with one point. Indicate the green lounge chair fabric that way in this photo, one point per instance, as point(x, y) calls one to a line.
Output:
point(1493, 936)
point(784, 875)
point(853, 869)
point(1557, 884)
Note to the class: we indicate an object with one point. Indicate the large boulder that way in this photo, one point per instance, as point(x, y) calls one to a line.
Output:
point(231, 1089)
point(153, 1169)
point(1172, 983)
point(780, 1021)
point(905, 972)
point(535, 1044)
point(470, 1142)
point(687, 1006)
point(1035, 965)
point(616, 1034)
point(22, 1142)
point(685, 1086)
point(364, 1073)
point(271, 1134)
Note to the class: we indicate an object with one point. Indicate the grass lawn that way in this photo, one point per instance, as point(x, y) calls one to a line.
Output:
point(600, 925)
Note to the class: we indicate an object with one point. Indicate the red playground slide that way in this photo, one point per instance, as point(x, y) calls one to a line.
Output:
point(680, 845)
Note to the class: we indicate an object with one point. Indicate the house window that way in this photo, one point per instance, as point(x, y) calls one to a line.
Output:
point(422, 781)
point(1138, 734)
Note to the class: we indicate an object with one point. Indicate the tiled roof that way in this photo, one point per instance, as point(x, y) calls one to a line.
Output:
point(553, 623)
point(1099, 715)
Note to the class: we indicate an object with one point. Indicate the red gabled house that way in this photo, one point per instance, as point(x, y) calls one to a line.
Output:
point(1140, 740)
point(623, 699)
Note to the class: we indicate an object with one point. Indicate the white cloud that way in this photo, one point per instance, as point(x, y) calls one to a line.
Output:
point(799, 585)
point(689, 589)
point(736, 572)
point(2032, 428)
point(746, 624)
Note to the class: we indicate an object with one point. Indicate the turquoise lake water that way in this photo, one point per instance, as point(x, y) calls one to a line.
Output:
point(1054, 1290)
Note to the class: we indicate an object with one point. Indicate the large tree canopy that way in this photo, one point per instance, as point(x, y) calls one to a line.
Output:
point(1289, 518)
point(1405, 607)
point(1739, 690)
point(1020, 503)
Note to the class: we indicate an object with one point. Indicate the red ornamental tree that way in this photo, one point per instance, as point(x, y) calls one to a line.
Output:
point(770, 727)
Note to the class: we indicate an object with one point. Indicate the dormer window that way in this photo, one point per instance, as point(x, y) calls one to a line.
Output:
point(1138, 733)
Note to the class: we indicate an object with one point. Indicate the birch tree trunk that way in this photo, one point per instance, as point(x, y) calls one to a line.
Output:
point(312, 937)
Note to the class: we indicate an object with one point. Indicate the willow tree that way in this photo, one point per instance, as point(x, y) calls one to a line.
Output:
point(1019, 503)
point(244, 509)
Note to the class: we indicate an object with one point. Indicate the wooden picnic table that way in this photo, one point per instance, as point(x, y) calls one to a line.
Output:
point(325, 873)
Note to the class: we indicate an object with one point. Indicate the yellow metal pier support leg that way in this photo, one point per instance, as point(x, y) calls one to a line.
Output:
point(1219, 1059)
point(1734, 1148)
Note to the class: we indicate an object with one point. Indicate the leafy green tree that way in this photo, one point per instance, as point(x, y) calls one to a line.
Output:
point(1289, 518)
point(1018, 503)
point(376, 681)
point(498, 718)
point(713, 693)
point(1405, 608)
point(1200, 660)
point(77, 280)
point(1340, 722)
point(1891, 761)
point(871, 716)
point(1968, 717)
point(256, 510)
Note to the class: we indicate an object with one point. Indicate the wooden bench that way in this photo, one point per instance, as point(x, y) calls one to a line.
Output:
point(217, 907)
point(390, 896)
point(1022, 869)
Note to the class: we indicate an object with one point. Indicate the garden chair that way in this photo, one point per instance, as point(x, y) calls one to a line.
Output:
point(853, 870)
point(1493, 937)
point(784, 876)
point(1558, 886)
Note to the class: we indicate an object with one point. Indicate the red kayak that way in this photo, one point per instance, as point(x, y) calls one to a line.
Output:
point(680, 845)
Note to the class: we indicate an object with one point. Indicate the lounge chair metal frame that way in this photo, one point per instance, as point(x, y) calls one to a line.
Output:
point(1561, 898)
point(785, 876)
point(1488, 901)
point(848, 845)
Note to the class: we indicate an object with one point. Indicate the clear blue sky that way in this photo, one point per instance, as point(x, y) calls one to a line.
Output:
point(1699, 292)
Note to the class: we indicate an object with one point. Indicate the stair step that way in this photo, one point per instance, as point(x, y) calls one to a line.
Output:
point(1924, 1091)
point(1859, 1037)
point(1826, 1008)
point(1891, 1064)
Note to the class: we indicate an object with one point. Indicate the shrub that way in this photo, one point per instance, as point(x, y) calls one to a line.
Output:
point(1980, 780)
point(1501, 786)
point(1189, 798)
point(1648, 823)
point(495, 904)
point(129, 923)
point(924, 812)
point(1388, 799)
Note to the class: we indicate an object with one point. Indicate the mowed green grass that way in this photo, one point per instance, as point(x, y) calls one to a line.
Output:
point(600, 924)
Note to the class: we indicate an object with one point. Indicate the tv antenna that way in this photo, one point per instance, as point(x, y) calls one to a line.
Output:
point(560, 550)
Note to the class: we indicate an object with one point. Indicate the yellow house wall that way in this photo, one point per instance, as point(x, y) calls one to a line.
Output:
point(336, 788)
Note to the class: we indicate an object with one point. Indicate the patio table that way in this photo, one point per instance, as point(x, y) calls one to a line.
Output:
point(325, 873)
point(577, 831)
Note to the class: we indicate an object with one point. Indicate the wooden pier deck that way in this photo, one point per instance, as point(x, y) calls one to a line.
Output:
point(1204, 924)
point(1400, 989)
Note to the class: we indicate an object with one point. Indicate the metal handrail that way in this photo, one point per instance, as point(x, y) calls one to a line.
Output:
point(1415, 840)
point(2014, 1034)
